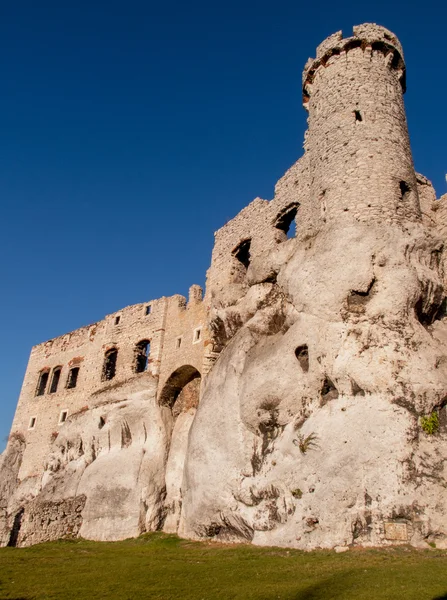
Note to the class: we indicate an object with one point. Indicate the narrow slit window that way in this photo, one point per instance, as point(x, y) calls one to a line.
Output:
point(72, 379)
point(358, 116)
point(55, 379)
point(197, 335)
point(178, 342)
point(63, 416)
point(42, 383)
point(117, 320)
point(142, 353)
point(32, 422)
point(109, 368)
point(148, 310)
point(404, 190)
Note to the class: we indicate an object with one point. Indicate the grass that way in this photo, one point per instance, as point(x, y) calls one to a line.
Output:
point(162, 567)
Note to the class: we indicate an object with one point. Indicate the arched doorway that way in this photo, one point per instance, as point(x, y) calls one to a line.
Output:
point(181, 390)
point(181, 394)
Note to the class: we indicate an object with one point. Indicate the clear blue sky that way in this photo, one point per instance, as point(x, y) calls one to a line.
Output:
point(131, 131)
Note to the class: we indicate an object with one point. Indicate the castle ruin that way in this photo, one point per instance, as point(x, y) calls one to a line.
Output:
point(302, 401)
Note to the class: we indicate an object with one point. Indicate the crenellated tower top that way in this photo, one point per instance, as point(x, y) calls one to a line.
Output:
point(367, 36)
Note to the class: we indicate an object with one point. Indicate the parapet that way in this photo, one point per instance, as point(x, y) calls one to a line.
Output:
point(367, 35)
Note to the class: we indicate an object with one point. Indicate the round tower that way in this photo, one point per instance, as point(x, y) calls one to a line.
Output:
point(357, 142)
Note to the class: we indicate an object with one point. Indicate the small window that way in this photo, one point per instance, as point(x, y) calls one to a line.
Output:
point(32, 422)
point(63, 416)
point(117, 320)
point(42, 383)
point(72, 379)
point(197, 335)
point(178, 342)
point(404, 190)
point(55, 379)
point(109, 368)
point(148, 310)
point(142, 353)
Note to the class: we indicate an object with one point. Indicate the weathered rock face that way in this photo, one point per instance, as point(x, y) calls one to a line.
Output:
point(105, 476)
point(322, 419)
point(308, 433)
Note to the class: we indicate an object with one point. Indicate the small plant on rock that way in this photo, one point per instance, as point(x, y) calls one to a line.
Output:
point(430, 423)
point(298, 494)
point(306, 443)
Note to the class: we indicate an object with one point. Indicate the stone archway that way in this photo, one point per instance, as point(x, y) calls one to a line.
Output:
point(181, 394)
point(178, 385)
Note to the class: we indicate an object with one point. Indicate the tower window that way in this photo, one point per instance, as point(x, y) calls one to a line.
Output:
point(63, 416)
point(142, 352)
point(72, 378)
point(148, 310)
point(32, 422)
point(404, 190)
point(55, 379)
point(358, 116)
point(117, 320)
point(42, 383)
point(109, 368)
point(197, 335)
point(178, 342)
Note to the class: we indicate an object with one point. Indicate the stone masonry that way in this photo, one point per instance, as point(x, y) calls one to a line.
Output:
point(289, 406)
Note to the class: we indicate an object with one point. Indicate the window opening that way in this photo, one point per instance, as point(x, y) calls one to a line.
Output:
point(109, 368)
point(404, 190)
point(242, 253)
point(63, 416)
point(142, 352)
point(32, 422)
point(285, 221)
point(117, 320)
point(148, 309)
point(358, 116)
point(72, 379)
point(55, 379)
point(197, 335)
point(178, 342)
point(42, 384)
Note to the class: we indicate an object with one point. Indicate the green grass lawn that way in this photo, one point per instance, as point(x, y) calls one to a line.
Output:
point(163, 567)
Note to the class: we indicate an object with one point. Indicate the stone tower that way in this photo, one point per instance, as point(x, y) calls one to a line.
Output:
point(358, 143)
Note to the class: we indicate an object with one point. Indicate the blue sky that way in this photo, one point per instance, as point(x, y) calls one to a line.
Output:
point(131, 131)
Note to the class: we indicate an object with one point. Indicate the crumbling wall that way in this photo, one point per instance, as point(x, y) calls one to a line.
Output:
point(84, 348)
point(47, 521)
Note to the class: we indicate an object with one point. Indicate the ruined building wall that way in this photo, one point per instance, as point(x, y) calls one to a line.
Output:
point(38, 418)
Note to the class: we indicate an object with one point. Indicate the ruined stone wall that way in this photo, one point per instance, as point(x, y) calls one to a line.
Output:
point(264, 223)
point(186, 335)
point(39, 417)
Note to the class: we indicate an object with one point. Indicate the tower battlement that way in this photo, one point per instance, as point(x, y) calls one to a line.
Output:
point(369, 37)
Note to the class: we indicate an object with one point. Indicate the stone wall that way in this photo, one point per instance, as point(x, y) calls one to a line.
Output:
point(39, 418)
